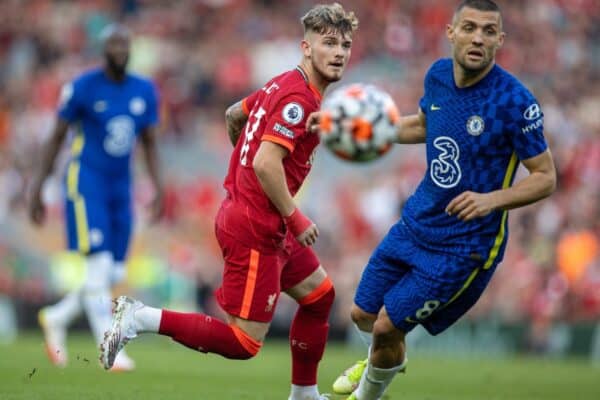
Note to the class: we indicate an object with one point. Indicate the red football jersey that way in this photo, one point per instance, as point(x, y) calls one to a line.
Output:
point(276, 113)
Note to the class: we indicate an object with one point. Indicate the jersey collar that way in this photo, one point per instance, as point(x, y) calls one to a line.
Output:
point(310, 86)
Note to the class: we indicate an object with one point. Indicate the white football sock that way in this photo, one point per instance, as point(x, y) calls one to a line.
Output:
point(374, 381)
point(304, 393)
point(66, 310)
point(365, 337)
point(118, 273)
point(96, 293)
point(147, 319)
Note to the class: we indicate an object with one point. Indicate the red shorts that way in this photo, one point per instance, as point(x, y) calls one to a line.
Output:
point(253, 280)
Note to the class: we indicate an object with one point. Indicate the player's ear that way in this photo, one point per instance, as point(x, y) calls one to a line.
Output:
point(500, 40)
point(306, 48)
point(450, 33)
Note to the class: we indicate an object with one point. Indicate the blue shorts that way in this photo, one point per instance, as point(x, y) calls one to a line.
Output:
point(98, 212)
point(418, 286)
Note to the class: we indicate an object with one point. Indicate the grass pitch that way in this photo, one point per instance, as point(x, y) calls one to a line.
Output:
point(169, 371)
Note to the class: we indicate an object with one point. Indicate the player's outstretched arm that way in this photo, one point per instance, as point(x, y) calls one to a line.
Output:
point(411, 129)
point(540, 183)
point(148, 140)
point(268, 166)
point(235, 119)
point(37, 211)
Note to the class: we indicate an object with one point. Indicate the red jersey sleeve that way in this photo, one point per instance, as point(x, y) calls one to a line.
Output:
point(287, 121)
point(248, 102)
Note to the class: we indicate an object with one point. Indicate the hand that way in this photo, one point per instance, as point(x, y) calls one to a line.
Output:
point(37, 209)
point(156, 207)
point(313, 121)
point(470, 205)
point(309, 236)
point(303, 229)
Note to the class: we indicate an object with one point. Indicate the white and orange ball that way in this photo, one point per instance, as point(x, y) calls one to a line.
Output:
point(358, 122)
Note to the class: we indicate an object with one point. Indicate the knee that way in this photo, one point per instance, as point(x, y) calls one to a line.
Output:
point(385, 333)
point(320, 301)
point(362, 319)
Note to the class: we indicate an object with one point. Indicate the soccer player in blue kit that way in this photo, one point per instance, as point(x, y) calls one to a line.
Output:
point(478, 123)
point(110, 109)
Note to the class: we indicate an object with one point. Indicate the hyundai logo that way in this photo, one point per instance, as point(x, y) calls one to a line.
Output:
point(533, 112)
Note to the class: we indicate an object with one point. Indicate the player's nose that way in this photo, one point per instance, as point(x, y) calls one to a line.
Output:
point(477, 38)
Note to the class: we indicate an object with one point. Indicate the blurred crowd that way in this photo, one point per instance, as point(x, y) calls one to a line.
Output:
point(206, 54)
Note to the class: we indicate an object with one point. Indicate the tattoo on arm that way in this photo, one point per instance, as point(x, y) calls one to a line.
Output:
point(235, 119)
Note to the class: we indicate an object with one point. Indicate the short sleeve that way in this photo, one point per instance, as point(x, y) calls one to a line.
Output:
point(287, 120)
point(249, 101)
point(151, 113)
point(526, 129)
point(424, 102)
point(69, 104)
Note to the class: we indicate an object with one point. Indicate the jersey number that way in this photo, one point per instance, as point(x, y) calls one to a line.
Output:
point(445, 170)
point(251, 128)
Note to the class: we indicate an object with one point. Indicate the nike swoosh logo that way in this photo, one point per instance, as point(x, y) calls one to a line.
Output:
point(435, 108)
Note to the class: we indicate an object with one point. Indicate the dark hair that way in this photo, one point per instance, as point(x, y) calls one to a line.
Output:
point(481, 5)
point(324, 18)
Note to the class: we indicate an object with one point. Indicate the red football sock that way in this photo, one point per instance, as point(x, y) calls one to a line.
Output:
point(308, 334)
point(208, 334)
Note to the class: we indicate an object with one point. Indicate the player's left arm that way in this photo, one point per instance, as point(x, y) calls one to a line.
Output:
point(540, 183)
point(148, 141)
point(268, 166)
point(235, 119)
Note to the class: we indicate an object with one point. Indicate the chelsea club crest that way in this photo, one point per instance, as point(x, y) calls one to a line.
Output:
point(475, 125)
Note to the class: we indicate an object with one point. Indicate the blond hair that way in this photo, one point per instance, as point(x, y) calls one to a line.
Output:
point(326, 18)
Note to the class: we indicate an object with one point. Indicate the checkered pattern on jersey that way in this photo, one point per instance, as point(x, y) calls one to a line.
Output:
point(475, 138)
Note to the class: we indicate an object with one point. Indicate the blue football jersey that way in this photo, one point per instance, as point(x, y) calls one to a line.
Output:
point(109, 116)
point(476, 137)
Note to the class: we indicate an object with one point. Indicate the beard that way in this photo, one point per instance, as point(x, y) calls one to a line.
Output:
point(469, 69)
point(117, 67)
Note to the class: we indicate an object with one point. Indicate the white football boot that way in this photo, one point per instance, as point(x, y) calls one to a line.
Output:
point(323, 396)
point(122, 330)
point(123, 363)
point(54, 337)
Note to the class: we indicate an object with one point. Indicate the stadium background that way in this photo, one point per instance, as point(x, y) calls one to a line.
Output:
point(207, 54)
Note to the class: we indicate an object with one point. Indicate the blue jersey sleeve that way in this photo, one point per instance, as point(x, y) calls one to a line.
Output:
point(526, 129)
point(424, 102)
point(151, 113)
point(69, 104)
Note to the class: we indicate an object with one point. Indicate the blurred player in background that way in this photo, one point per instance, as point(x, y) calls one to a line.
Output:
point(264, 237)
point(478, 123)
point(110, 108)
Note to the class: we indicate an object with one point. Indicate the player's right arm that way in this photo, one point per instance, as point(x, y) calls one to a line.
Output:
point(268, 167)
point(37, 211)
point(412, 129)
point(235, 119)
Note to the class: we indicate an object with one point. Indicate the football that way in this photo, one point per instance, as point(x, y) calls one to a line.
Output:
point(358, 122)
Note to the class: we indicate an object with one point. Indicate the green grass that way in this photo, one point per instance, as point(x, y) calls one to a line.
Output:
point(169, 371)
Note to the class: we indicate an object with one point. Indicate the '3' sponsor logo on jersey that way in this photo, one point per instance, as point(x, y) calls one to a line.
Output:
point(120, 132)
point(445, 170)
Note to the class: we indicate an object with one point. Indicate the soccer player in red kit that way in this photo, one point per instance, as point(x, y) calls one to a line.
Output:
point(265, 239)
